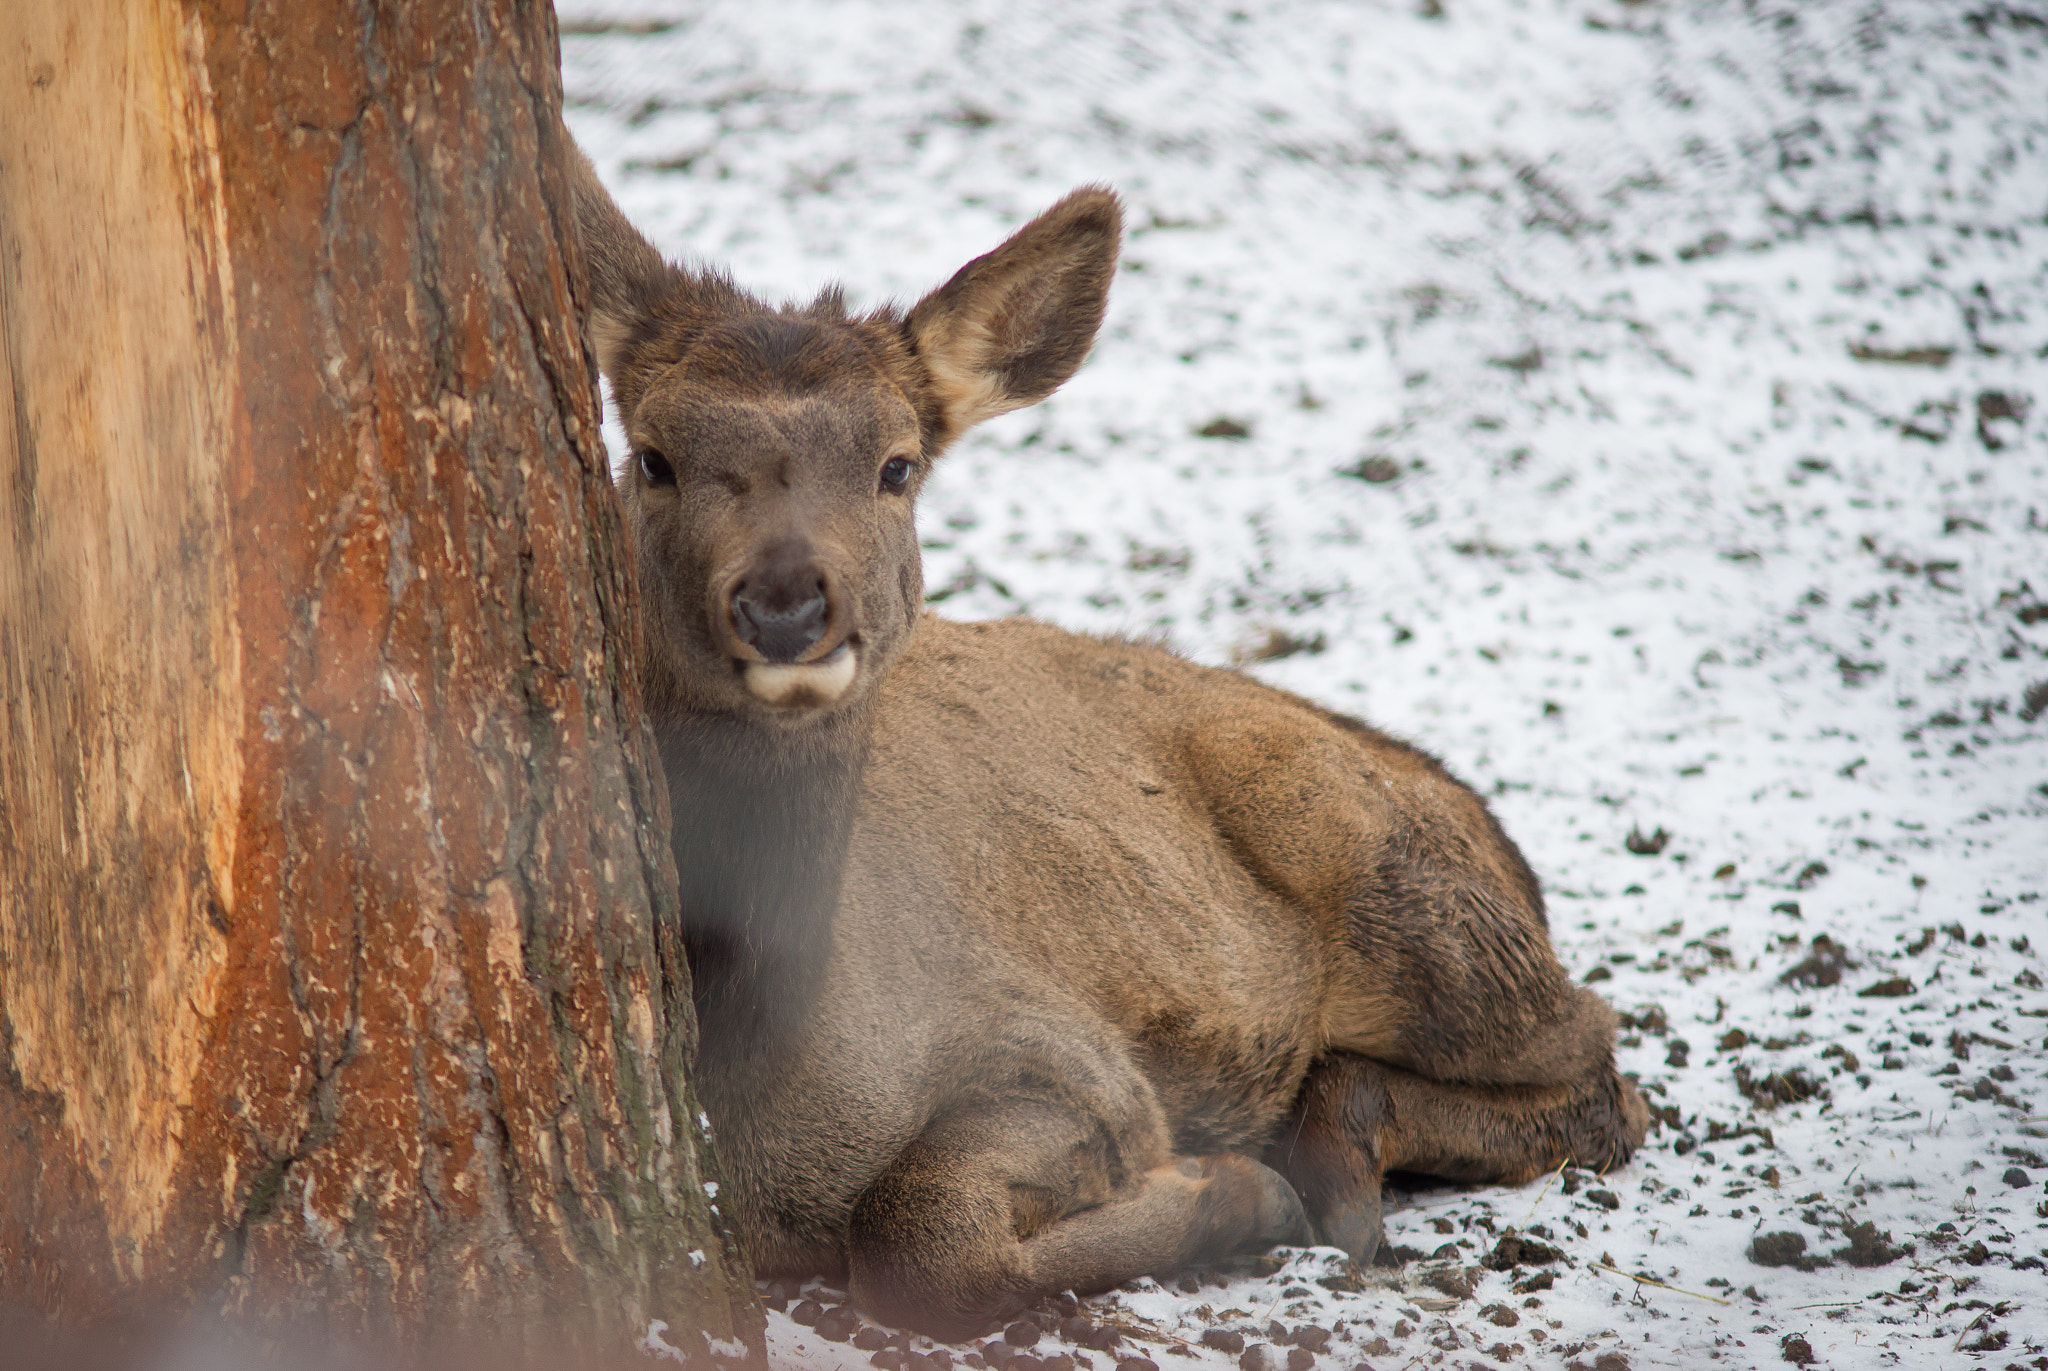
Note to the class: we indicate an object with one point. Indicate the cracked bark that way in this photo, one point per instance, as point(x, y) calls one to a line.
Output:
point(334, 983)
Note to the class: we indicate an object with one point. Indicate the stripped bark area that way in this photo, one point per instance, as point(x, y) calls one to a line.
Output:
point(333, 851)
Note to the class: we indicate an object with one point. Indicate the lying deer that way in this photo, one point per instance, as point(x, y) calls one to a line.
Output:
point(1016, 951)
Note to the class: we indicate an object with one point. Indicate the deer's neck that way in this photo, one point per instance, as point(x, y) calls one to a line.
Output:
point(761, 824)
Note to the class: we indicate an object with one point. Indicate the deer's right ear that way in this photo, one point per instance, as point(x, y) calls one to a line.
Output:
point(1011, 327)
point(628, 279)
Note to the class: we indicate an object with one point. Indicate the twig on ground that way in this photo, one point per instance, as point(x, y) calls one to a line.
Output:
point(1647, 1280)
point(1544, 1192)
point(1966, 1331)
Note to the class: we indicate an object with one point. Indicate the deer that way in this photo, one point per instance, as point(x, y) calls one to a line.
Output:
point(1026, 961)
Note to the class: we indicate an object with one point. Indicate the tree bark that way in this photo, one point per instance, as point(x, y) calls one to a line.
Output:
point(335, 992)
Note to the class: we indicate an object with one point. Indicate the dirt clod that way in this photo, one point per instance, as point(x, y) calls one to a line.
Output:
point(1784, 1249)
point(1796, 1350)
point(1022, 1333)
point(1314, 1337)
point(1823, 965)
point(1376, 469)
point(1891, 988)
point(1769, 1090)
point(1455, 1281)
point(1867, 1246)
point(1514, 1250)
point(1647, 845)
point(1223, 1340)
point(1394, 1256)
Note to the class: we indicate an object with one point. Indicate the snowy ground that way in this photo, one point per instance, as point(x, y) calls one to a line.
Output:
point(1647, 411)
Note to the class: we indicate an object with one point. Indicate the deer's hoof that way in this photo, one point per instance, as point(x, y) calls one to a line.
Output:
point(1355, 1228)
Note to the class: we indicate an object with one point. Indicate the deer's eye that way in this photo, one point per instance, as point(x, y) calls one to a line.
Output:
point(655, 468)
point(896, 473)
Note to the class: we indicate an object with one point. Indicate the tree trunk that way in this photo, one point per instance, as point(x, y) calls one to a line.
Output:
point(334, 986)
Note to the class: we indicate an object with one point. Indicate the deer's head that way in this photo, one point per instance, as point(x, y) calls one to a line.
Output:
point(778, 453)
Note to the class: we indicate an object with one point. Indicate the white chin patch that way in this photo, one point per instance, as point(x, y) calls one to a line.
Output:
point(805, 685)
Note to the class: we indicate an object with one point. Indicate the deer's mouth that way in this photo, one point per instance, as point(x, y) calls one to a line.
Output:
point(804, 685)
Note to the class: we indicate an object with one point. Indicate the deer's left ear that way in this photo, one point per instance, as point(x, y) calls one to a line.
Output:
point(1011, 327)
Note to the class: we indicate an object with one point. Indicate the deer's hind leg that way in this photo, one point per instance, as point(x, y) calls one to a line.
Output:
point(998, 1204)
point(1357, 1119)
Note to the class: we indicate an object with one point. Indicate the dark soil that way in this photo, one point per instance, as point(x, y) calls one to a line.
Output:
point(1784, 1249)
point(1867, 1246)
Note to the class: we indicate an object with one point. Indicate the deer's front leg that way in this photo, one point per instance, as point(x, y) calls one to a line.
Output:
point(997, 1205)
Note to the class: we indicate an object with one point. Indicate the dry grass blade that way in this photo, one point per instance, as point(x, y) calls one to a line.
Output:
point(1545, 1191)
point(1647, 1280)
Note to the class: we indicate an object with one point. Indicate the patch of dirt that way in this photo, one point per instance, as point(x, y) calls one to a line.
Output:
point(1784, 1249)
point(1823, 965)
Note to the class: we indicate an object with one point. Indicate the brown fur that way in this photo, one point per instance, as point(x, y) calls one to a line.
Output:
point(1013, 958)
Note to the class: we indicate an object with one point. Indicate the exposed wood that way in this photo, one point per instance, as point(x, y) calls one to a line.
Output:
point(333, 853)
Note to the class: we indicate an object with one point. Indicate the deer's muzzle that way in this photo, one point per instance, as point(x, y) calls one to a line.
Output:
point(787, 623)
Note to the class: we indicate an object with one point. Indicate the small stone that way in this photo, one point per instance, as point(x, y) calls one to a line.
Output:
point(1300, 1359)
point(871, 1339)
point(806, 1313)
point(2016, 1178)
point(1501, 1315)
point(1259, 1357)
point(1022, 1333)
point(888, 1358)
point(1733, 1039)
point(1223, 1340)
point(1137, 1364)
point(1796, 1350)
point(1606, 1199)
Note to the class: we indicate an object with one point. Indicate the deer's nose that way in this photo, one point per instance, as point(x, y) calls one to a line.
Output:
point(782, 613)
